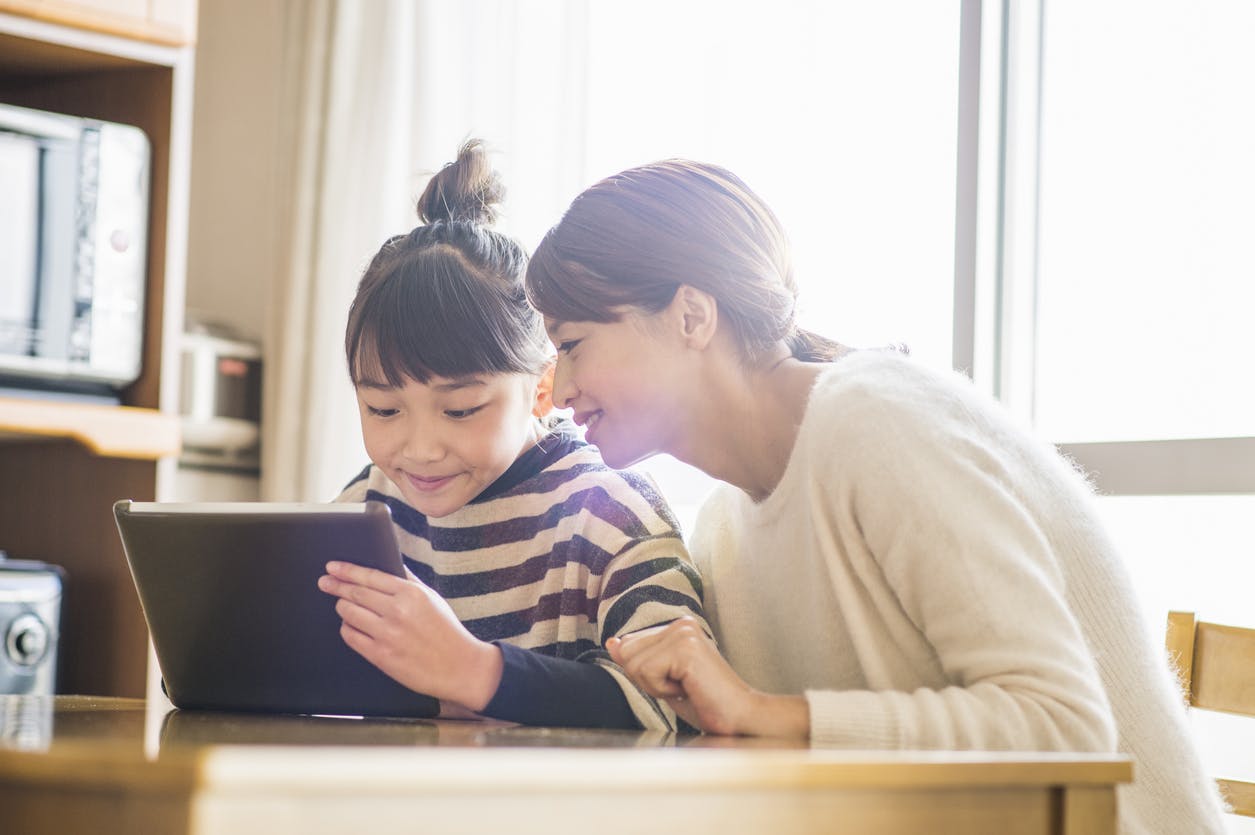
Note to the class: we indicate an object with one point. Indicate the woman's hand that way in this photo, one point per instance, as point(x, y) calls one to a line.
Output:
point(680, 664)
point(410, 633)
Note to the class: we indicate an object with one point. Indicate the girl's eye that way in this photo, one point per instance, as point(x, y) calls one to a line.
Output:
point(567, 346)
point(371, 410)
point(460, 414)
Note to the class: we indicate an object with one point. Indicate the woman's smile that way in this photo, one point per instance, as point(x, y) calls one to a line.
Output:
point(589, 421)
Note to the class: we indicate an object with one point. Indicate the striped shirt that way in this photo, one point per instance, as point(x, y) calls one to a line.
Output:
point(557, 555)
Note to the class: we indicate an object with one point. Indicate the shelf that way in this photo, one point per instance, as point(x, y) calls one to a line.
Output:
point(111, 431)
point(171, 22)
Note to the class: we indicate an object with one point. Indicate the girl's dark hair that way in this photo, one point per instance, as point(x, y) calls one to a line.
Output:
point(447, 299)
point(632, 239)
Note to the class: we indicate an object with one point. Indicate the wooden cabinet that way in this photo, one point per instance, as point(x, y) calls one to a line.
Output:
point(62, 466)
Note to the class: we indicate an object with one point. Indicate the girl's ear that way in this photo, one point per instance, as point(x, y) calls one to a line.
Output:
point(544, 393)
point(698, 314)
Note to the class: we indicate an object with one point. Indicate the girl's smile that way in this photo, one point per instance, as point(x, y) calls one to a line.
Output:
point(429, 484)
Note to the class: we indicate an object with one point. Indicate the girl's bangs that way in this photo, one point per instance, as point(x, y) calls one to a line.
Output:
point(402, 336)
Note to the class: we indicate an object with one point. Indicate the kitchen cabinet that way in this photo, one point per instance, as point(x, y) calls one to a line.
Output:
point(62, 465)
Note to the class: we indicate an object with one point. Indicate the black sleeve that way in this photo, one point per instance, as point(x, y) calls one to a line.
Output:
point(539, 689)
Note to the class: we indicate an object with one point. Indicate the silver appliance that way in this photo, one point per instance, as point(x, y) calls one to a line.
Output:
point(220, 399)
point(73, 251)
point(30, 618)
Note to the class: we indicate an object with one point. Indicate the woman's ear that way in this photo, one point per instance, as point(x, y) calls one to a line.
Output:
point(544, 393)
point(698, 314)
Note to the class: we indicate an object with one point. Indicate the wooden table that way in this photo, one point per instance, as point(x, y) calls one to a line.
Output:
point(74, 764)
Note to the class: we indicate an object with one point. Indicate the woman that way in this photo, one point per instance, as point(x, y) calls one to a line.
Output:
point(893, 563)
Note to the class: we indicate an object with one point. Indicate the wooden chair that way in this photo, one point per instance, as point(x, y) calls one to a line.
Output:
point(1216, 665)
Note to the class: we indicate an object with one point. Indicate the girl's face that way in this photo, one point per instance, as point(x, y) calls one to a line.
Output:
point(442, 442)
point(621, 379)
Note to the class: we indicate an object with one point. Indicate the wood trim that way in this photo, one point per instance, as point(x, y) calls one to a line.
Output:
point(160, 25)
point(1181, 650)
point(1240, 796)
point(1189, 466)
point(1087, 811)
point(113, 431)
point(38, 48)
point(1216, 669)
point(1224, 669)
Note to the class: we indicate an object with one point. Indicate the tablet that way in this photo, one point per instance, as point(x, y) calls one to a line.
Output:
point(230, 594)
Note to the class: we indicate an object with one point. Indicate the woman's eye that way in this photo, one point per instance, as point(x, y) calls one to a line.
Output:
point(459, 414)
point(567, 346)
point(371, 410)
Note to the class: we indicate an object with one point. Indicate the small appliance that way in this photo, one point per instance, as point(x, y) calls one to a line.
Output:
point(220, 399)
point(73, 251)
point(30, 618)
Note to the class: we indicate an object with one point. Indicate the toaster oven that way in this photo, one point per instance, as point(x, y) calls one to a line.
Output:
point(73, 251)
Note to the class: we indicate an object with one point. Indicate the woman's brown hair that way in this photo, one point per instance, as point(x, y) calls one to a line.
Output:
point(632, 239)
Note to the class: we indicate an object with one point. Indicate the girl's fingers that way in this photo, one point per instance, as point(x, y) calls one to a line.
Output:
point(364, 596)
point(359, 617)
point(361, 575)
point(360, 642)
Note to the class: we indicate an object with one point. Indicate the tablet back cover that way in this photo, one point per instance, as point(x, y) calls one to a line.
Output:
point(230, 595)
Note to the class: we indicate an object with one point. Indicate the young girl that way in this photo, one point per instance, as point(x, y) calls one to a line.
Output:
point(528, 553)
point(892, 562)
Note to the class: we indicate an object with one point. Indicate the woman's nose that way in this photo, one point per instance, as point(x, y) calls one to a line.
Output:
point(564, 389)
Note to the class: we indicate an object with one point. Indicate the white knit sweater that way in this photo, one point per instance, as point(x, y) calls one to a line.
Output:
point(931, 577)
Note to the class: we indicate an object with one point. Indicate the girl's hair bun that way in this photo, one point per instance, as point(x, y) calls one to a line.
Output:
point(467, 189)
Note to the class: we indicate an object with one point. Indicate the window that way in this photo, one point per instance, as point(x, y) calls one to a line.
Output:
point(1137, 215)
point(1147, 206)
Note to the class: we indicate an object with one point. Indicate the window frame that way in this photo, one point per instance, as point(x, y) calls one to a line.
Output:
point(997, 261)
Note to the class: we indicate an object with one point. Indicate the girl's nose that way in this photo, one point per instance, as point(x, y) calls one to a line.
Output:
point(423, 444)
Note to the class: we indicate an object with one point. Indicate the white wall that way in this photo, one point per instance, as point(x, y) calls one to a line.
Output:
point(235, 214)
point(234, 237)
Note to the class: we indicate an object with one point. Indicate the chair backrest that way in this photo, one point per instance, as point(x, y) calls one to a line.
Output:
point(1216, 665)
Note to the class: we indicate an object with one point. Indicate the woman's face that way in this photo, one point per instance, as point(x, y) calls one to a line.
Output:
point(619, 378)
point(442, 442)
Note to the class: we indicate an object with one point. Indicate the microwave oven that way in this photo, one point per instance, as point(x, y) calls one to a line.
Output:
point(73, 251)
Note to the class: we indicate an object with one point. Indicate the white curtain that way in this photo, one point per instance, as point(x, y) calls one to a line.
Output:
point(380, 93)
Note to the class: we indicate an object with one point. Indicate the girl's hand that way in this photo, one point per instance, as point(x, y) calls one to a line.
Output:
point(410, 633)
point(680, 664)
